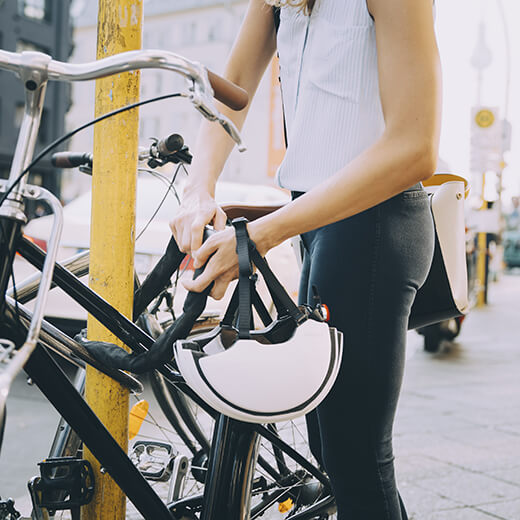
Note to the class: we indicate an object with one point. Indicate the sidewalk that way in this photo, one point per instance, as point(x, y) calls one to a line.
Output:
point(457, 433)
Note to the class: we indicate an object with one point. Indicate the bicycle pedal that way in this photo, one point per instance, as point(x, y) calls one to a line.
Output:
point(65, 483)
point(155, 460)
point(8, 511)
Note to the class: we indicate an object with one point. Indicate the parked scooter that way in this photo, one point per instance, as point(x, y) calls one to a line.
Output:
point(436, 333)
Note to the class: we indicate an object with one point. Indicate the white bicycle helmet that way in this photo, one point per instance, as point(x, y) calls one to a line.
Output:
point(275, 374)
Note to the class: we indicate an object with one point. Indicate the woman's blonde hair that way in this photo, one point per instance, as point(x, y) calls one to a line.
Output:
point(305, 5)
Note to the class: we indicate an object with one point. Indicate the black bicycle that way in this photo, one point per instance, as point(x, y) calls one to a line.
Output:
point(216, 467)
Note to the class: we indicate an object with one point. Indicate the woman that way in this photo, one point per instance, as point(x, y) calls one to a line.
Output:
point(361, 87)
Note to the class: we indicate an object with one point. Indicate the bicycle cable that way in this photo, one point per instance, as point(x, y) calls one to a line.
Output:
point(68, 135)
point(159, 206)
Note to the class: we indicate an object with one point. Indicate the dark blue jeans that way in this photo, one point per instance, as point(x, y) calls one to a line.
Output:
point(367, 269)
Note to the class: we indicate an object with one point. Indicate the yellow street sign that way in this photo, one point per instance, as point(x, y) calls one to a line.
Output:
point(484, 118)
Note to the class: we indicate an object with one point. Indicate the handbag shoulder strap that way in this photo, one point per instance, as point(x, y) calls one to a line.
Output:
point(276, 16)
point(440, 178)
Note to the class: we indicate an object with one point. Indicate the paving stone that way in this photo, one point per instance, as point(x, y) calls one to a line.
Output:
point(488, 437)
point(513, 428)
point(508, 509)
point(429, 422)
point(511, 475)
point(466, 513)
point(420, 502)
point(469, 488)
point(412, 468)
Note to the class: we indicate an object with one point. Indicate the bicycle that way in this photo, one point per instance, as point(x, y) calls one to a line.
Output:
point(227, 470)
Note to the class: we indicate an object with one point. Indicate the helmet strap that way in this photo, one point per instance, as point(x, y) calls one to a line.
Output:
point(245, 272)
point(246, 292)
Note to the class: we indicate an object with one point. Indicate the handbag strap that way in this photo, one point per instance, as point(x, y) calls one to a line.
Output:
point(440, 178)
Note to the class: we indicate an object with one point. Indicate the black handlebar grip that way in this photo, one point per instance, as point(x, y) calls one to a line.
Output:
point(171, 144)
point(71, 159)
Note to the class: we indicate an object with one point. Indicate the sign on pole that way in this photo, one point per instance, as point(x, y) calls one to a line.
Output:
point(486, 140)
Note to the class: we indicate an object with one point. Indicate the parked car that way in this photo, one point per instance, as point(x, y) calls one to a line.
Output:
point(511, 249)
point(152, 234)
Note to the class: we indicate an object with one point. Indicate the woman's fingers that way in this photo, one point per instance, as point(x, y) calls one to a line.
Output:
point(223, 242)
point(219, 255)
point(219, 222)
point(192, 217)
point(221, 284)
point(199, 284)
point(197, 231)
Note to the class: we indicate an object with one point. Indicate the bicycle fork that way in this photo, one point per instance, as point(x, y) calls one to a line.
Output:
point(227, 492)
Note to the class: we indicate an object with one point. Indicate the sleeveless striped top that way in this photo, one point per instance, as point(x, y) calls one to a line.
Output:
point(330, 89)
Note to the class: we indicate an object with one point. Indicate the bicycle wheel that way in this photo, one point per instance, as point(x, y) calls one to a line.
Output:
point(281, 486)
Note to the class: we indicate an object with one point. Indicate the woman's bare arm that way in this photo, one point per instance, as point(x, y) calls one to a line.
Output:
point(410, 91)
point(251, 53)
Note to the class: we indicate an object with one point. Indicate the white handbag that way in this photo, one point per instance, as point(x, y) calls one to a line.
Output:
point(444, 294)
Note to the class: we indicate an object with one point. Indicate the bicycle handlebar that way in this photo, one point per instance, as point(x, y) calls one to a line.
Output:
point(162, 151)
point(167, 145)
point(71, 159)
point(38, 66)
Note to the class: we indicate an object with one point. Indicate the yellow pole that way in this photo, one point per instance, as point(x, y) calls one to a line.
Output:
point(481, 269)
point(481, 258)
point(113, 229)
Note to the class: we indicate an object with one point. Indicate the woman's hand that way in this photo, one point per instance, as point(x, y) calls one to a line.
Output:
point(222, 266)
point(198, 209)
point(219, 251)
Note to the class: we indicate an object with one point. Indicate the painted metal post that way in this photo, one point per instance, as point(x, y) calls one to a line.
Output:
point(113, 228)
point(481, 255)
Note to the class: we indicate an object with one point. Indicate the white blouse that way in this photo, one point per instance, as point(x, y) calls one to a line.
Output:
point(330, 89)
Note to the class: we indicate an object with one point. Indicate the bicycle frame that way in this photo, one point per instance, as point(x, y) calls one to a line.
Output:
point(224, 473)
point(241, 437)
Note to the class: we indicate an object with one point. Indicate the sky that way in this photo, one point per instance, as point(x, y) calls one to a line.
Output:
point(457, 24)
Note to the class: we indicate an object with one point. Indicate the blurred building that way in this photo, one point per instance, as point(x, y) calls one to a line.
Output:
point(201, 30)
point(33, 25)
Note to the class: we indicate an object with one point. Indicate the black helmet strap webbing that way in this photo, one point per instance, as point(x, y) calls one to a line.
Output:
point(244, 278)
point(247, 252)
point(275, 287)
